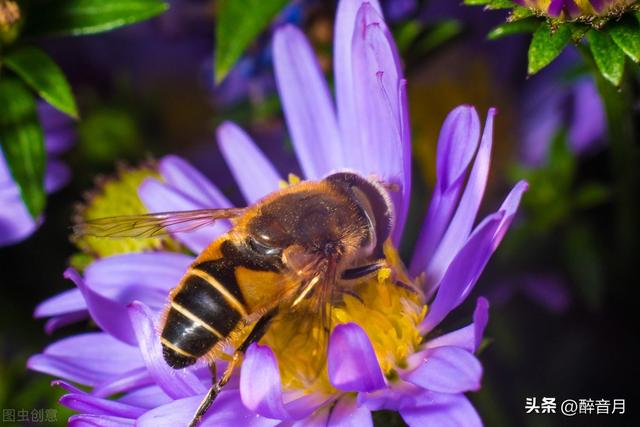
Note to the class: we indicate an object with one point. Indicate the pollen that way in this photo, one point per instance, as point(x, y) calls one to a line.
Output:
point(116, 196)
point(292, 179)
point(387, 309)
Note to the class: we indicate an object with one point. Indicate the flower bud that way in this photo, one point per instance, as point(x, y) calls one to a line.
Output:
point(580, 10)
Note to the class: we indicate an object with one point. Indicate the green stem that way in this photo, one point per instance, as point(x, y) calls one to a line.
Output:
point(625, 162)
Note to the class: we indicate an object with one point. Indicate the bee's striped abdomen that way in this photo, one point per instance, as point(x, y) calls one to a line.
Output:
point(205, 309)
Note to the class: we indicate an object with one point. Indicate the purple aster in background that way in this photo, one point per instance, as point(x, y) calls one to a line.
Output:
point(16, 223)
point(377, 356)
point(551, 106)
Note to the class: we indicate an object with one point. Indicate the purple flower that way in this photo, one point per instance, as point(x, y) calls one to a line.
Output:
point(576, 8)
point(550, 106)
point(16, 223)
point(377, 357)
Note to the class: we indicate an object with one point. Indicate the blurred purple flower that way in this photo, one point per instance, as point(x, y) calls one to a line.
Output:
point(16, 223)
point(395, 10)
point(548, 290)
point(125, 294)
point(550, 106)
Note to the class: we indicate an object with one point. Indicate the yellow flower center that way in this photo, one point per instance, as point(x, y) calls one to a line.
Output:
point(115, 197)
point(385, 306)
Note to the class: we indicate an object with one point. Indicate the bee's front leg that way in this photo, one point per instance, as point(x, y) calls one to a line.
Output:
point(360, 272)
point(258, 331)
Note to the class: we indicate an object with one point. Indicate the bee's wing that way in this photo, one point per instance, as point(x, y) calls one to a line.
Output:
point(307, 324)
point(153, 224)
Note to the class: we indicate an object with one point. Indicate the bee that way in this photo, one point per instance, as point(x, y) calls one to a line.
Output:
point(304, 243)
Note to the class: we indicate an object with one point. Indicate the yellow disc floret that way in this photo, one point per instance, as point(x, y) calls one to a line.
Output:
point(118, 196)
point(385, 306)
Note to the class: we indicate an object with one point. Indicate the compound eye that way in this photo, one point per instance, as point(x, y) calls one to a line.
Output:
point(262, 247)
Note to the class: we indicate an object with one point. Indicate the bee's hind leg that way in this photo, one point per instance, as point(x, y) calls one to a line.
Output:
point(256, 333)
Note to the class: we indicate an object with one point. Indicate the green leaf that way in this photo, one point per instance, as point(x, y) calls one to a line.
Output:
point(608, 56)
point(500, 4)
point(491, 4)
point(22, 142)
point(546, 45)
point(78, 17)
point(591, 194)
point(528, 25)
point(38, 70)
point(238, 23)
point(438, 34)
point(626, 34)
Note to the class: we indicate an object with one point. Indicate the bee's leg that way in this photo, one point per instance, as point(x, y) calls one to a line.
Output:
point(256, 333)
point(213, 368)
point(362, 271)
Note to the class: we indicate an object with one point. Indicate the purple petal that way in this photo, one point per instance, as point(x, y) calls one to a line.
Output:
point(542, 116)
point(547, 290)
point(227, 411)
point(400, 394)
point(183, 177)
point(88, 404)
point(480, 320)
point(58, 141)
point(66, 386)
point(307, 105)
point(447, 370)
point(175, 383)
point(470, 336)
point(466, 267)
point(108, 314)
point(15, 221)
point(446, 410)
point(159, 197)
point(555, 7)
point(509, 207)
point(351, 360)
point(261, 387)
point(65, 302)
point(456, 146)
point(462, 222)
point(345, 27)
point(129, 380)
point(89, 359)
point(589, 123)
point(251, 169)
point(348, 413)
point(463, 271)
point(86, 420)
point(57, 322)
point(146, 277)
point(406, 147)
point(319, 418)
point(56, 176)
point(146, 397)
point(379, 148)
